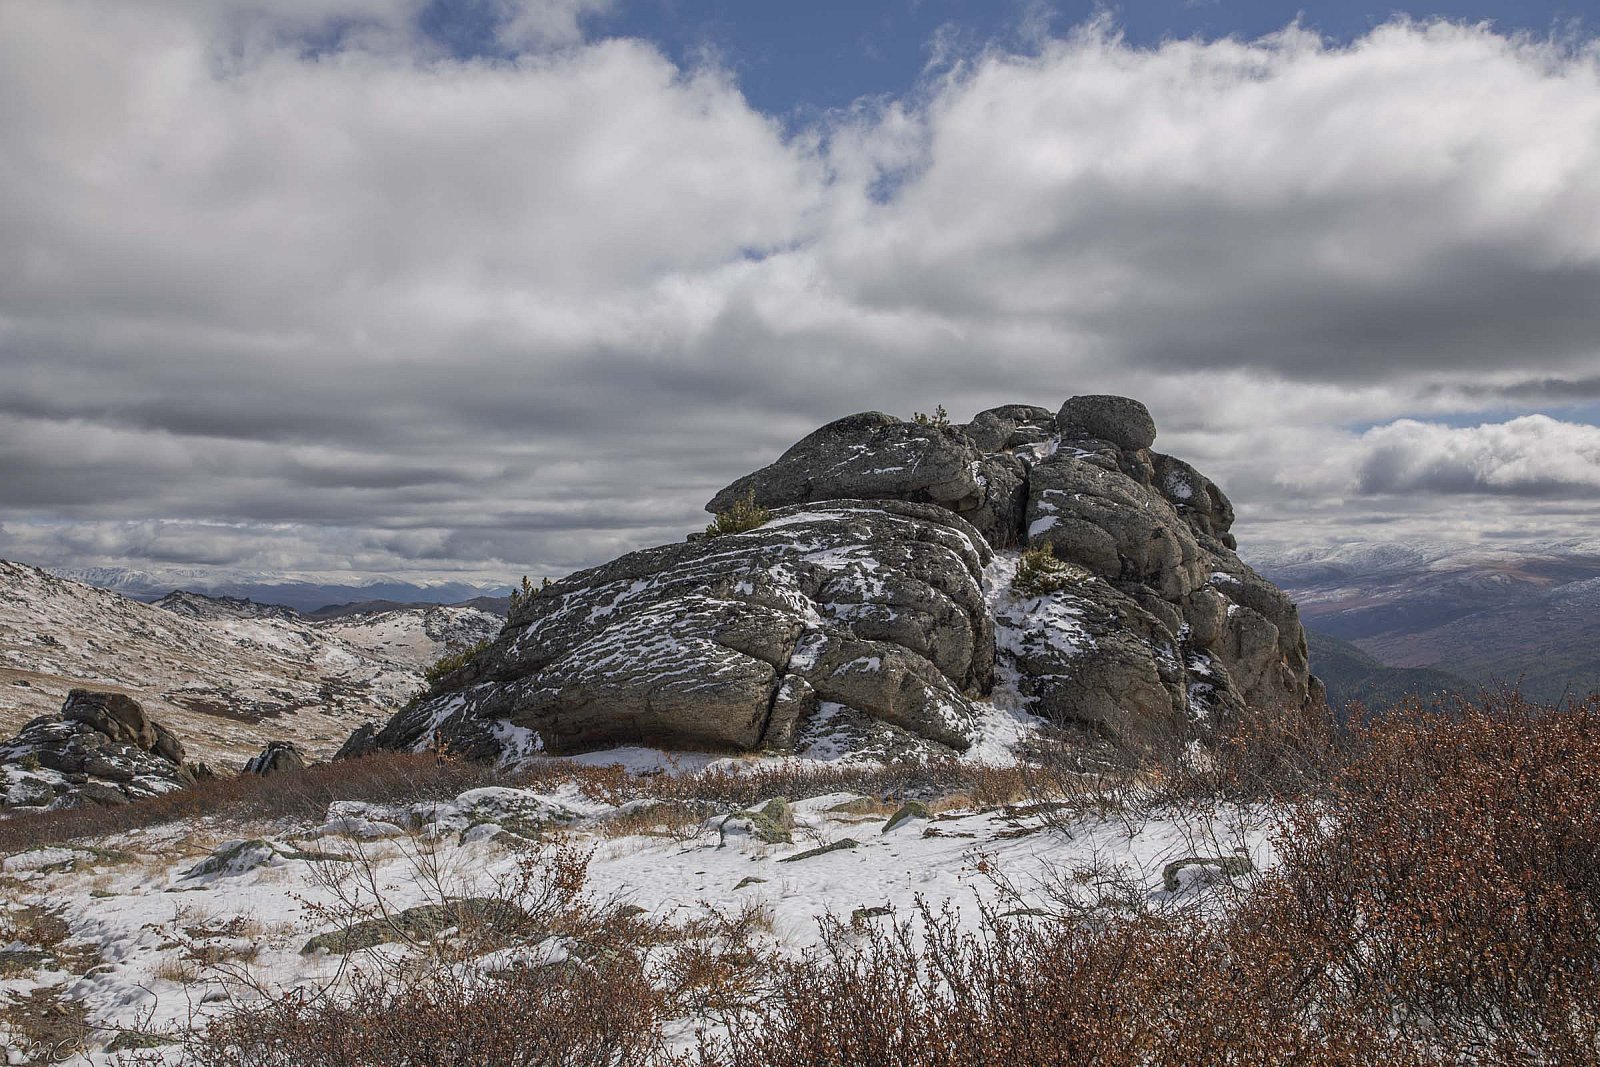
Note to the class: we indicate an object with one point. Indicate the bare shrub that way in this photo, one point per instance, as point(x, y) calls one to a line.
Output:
point(1450, 882)
point(1274, 753)
point(927, 993)
point(1437, 903)
point(602, 1011)
point(595, 985)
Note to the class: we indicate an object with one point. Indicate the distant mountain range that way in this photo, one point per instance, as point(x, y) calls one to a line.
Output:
point(1527, 617)
point(303, 595)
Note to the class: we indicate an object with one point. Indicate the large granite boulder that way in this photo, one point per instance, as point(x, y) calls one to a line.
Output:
point(1125, 423)
point(1156, 534)
point(873, 456)
point(877, 608)
point(845, 618)
point(100, 749)
point(1163, 633)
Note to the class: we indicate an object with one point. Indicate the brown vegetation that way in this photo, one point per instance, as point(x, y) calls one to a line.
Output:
point(1437, 903)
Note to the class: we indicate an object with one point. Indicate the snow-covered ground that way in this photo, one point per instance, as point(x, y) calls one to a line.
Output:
point(138, 906)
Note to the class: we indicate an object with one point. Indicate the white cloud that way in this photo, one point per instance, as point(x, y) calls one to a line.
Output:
point(1533, 455)
point(291, 266)
point(542, 23)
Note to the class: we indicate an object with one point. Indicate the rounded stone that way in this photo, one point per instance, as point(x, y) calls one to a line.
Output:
point(1124, 422)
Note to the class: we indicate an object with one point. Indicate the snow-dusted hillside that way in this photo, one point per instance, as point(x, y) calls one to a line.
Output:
point(225, 677)
point(302, 592)
point(1521, 614)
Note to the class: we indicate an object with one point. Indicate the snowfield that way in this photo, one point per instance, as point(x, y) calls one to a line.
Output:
point(243, 901)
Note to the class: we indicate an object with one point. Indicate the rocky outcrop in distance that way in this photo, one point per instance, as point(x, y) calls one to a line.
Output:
point(279, 757)
point(100, 749)
point(874, 610)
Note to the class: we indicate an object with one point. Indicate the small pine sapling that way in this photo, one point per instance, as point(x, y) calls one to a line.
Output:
point(1040, 573)
point(745, 515)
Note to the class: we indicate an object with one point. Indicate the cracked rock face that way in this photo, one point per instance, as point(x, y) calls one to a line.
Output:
point(100, 749)
point(875, 607)
point(861, 614)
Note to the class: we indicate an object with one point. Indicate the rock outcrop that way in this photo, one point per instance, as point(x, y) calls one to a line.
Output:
point(100, 749)
point(873, 456)
point(836, 620)
point(876, 607)
point(279, 757)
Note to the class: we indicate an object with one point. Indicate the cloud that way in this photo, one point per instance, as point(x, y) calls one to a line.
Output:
point(1529, 456)
point(295, 282)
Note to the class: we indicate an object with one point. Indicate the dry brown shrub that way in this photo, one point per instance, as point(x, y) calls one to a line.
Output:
point(391, 777)
point(1450, 882)
point(599, 1012)
point(1437, 904)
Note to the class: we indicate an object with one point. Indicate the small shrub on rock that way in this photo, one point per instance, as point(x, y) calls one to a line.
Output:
point(939, 419)
point(1040, 573)
point(453, 660)
point(745, 515)
point(527, 591)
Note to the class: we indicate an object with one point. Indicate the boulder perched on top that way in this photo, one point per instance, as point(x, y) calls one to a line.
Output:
point(1125, 423)
point(873, 456)
point(892, 598)
point(100, 749)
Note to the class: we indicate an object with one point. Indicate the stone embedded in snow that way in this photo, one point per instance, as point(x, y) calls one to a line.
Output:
point(241, 857)
point(772, 824)
point(911, 809)
point(421, 923)
point(1198, 871)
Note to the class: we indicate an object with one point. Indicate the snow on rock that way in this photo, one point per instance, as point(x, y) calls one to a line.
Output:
point(737, 643)
point(856, 620)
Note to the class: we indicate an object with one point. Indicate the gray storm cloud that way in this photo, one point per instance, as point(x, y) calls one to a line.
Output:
point(365, 306)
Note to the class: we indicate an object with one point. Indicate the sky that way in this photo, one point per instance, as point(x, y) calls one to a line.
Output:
point(492, 287)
